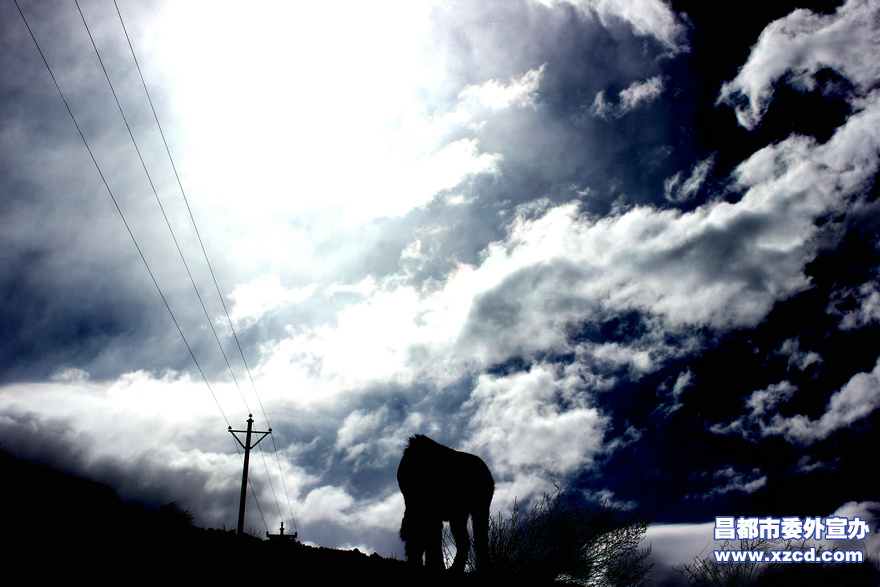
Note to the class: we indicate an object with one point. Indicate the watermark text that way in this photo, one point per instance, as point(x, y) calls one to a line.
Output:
point(790, 528)
point(810, 555)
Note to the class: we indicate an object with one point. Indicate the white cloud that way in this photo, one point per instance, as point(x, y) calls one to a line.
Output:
point(70, 375)
point(633, 96)
point(641, 92)
point(131, 413)
point(124, 432)
point(761, 403)
point(383, 513)
point(801, 44)
point(675, 545)
point(494, 94)
point(261, 296)
point(729, 479)
point(601, 106)
point(807, 464)
point(766, 401)
point(536, 421)
point(519, 490)
point(327, 504)
point(358, 427)
point(869, 511)
point(329, 508)
point(677, 190)
point(340, 134)
point(684, 380)
point(650, 18)
point(797, 358)
point(448, 167)
point(853, 402)
point(866, 299)
point(372, 438)
point(722, 265)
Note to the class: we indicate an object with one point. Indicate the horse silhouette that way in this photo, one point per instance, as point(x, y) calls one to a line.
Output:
point(441, 484)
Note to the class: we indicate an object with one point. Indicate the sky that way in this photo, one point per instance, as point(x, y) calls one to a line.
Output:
point(628, 248)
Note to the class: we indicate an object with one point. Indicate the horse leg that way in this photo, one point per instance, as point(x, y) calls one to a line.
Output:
point(480, 521)
point(412, 534)
point(462, 542)
point(433, 542)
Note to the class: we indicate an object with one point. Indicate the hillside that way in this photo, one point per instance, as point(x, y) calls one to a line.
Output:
point(59, 525)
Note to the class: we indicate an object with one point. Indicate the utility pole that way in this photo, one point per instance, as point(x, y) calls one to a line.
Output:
point(247, 455)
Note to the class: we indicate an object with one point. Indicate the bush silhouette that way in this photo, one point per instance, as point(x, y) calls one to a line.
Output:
point(173, 513)
point(563, 539)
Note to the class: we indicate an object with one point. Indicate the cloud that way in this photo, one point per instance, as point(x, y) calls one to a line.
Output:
point(521, 92)
point(641, 92)
point(677, 190)
point(328, 513)
point(797, 46)
point(865, 298)
point(374, 438)
point(253, 300)
point(868, 511)
point(633, 96)
point(767, 400)
point(853, 402)
point(806, 464)
point(797, 358)
point(723, 265)
point(684, 381)
point(70, 375)
point(328, 504)
point(541, 420)
point(673, 545)
point(350, 107)
point(652, 18)
point(761, 403)
point(729, 479)
point(125, 434)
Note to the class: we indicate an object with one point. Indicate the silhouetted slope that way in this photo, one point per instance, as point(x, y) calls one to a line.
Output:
point(62, 526)
point(70, 526)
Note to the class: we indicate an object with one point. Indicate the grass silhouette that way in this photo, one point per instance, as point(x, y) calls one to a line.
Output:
point(563, 539)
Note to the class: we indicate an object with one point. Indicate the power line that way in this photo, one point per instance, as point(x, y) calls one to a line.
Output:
point(167, 221)
point(271, 486)
point(159, 201)
point(204, 253)
point(128, 227)
point(118, 208)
